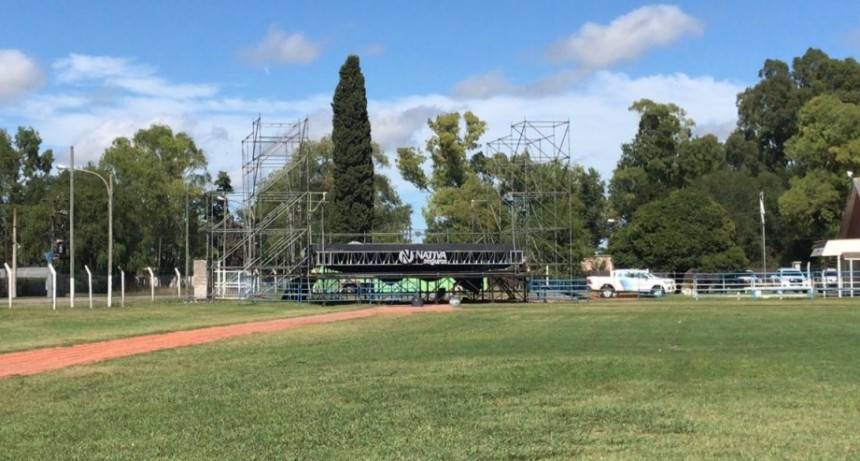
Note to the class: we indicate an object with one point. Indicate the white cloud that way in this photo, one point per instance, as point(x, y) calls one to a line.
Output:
point(278, 48)
point(597, 109)
point(401, 126)
point(627, 37)
point(593, 47)
point(853, 39)
point(81, 68)
point(482, 86)
point(20, 75)
point(125, 74)
point(374, 49)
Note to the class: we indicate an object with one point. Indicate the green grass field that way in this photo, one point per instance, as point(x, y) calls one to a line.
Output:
point(655, 379)
point(35, 325)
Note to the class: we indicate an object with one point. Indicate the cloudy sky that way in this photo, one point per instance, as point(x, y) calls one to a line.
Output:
point(84, 72)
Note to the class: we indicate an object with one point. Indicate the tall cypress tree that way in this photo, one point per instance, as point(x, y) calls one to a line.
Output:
point(352, 204)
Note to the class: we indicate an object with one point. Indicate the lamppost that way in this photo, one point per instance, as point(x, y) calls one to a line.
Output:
point(109, 187)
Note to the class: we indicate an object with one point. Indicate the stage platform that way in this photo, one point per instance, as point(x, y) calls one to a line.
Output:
point(403, 272)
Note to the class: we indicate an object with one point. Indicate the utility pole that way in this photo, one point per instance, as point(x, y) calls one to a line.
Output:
point(72, 226)
point(13, 288)
point(186, 238)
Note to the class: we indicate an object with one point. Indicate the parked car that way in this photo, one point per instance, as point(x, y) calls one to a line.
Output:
point(741, 279)
point(631, 281)
point(827, 279)
point(726, 282)
point(830, 277)
point(790, 278)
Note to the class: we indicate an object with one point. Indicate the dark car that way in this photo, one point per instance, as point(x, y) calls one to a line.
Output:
point(731, 281)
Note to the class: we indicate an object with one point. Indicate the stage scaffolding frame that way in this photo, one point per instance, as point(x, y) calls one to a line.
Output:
point(272, 222)
point(537, 194)
point(273, 219)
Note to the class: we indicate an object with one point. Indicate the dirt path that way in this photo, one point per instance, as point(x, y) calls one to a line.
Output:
point(40, 360)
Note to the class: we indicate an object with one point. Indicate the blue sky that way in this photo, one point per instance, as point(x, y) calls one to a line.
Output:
point(84, 72)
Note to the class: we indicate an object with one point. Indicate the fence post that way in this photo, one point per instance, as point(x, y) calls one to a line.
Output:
point(696, 286)
point(9, 283)
point(178, 283)
point(53, 287)
point(90, 283)
point(151, 284)
point(122, 287)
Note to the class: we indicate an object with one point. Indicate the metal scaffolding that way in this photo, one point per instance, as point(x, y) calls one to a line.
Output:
point(267, 240)
point(535, 194)
point(268, 225)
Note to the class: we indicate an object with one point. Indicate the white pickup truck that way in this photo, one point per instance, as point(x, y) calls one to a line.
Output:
point(634, 281)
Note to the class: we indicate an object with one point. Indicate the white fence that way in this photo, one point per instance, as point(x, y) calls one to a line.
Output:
point(778, 285)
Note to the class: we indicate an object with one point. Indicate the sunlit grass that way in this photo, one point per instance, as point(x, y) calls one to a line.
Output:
point(34, 325)
point(620, 380)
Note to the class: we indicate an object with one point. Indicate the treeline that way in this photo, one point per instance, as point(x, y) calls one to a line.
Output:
point(675, 201)
point(796, 144)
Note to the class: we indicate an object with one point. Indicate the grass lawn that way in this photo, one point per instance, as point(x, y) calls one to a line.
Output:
point(656, 379)
point(35, 325)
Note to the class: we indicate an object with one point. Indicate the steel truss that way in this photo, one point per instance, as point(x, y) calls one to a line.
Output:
point(535, 192)
point(267, 236)
point(277, 218)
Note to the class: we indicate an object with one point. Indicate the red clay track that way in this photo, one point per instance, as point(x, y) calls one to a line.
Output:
point(39, 360)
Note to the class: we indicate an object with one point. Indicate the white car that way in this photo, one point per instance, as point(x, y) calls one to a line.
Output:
point(830, 277)
point(789, 277)
point(638, 281)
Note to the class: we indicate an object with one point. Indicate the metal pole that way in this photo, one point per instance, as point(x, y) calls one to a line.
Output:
point(13, 290)
point(8, 283)
point(109, 186)
point(322, 224)
point(186, 238)
point(763, 249)
point(72, 226)
point(53, 287)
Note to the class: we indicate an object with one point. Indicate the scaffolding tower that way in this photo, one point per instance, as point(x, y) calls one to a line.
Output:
point(266, 227)
point(535, 200)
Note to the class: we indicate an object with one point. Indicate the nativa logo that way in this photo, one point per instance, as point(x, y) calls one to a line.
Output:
point(422, 257)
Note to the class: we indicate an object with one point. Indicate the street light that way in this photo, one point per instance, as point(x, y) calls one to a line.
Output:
point(109, 187)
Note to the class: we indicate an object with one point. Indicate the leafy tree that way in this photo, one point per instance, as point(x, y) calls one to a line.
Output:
point(815, 73)
point(767, 112)
point(813, 204)
point(742, 154)
point(826, 146)
point(312, 170)
point(453, 180)
point(353, 197)
point(158, 174)
point(26, 186)
point(682, 231)
point(738, 192)
point(698, 157)
point(447, 151)
point(391, 215)
point(218, 205)
point(828, 137)
point(223, 183)
point(590, 190)
point(661, 158)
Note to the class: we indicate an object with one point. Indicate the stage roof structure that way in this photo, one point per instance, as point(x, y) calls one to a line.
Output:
point(448, 259)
